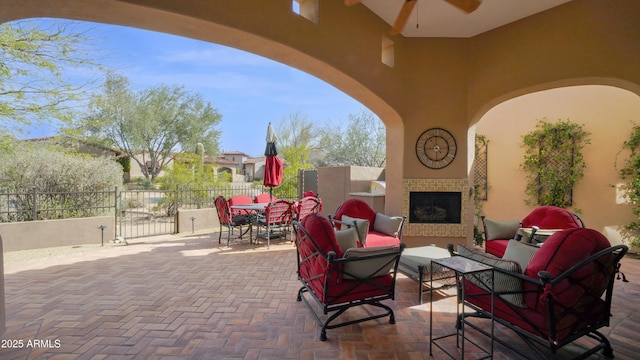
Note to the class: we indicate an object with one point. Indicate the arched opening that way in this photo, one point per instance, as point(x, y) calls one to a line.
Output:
point(271, 37)
point(607, 112)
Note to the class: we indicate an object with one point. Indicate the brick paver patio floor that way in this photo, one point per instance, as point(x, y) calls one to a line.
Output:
point(186, 297)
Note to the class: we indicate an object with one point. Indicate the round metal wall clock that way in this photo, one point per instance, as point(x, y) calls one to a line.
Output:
point(436, 148)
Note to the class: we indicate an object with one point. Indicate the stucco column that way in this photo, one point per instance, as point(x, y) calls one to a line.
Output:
point(2, 315)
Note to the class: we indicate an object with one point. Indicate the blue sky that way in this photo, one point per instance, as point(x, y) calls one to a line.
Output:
point(248, 90)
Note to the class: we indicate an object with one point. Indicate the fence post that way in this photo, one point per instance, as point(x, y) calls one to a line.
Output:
point(34, 210)
point(175, 215)
point(116, 208)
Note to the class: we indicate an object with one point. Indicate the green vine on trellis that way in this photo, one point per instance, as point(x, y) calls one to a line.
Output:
point(479, 191)
point(554, 162)
point(630, 172)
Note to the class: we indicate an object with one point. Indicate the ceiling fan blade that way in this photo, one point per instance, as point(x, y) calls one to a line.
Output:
point(467, 6)
point(403, 16)
point(351, 2)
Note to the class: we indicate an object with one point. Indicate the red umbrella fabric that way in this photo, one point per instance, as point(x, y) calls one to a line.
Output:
point(273, 171)
point(273, 165)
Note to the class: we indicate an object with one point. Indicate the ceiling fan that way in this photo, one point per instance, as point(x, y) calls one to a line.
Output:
point(467, 6)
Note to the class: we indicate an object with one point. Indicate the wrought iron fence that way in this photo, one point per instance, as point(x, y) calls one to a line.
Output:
point(37, 205)
point(42, 205)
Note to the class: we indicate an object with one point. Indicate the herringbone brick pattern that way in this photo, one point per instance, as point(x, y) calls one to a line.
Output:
point(189, 298)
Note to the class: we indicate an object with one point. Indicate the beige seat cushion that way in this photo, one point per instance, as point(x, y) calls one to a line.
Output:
point(347, 238)
point(372, 267)
point(500, 229)
point(361, 224)
point(389, 225)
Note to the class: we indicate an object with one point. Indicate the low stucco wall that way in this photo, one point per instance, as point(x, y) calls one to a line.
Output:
point(203, 219)
point(70, 232)
point(50, 233)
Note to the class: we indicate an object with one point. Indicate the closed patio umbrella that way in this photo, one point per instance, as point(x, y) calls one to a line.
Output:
point(273, 165)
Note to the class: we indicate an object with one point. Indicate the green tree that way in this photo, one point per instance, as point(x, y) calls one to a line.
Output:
point(189, 173)
point(296, 136)
point(362, 143)
point(151, 125)
point(36, 65)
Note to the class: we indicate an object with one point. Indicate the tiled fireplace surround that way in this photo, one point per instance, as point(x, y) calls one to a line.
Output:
point(436, 185)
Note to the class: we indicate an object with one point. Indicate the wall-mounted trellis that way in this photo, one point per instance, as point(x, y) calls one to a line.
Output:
point(558, 161)
point(554, 162)
point(480, 173)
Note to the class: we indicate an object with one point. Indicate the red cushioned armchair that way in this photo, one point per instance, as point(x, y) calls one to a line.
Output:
point(339, 280)
point(498, 233)
point(374, 228)
point(551, 296)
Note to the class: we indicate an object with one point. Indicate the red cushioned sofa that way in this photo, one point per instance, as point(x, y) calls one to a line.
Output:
point(550, 296)
point(498, 233)
point(374, 228)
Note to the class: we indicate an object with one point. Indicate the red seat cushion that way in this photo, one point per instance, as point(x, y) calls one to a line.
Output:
point(356, 208)
point(551, 217)
point(531, 320)
point(375, 238)
point(322, 233)
point(315, 267)
point(560, 252)
point(496, 247)
point(351, 290)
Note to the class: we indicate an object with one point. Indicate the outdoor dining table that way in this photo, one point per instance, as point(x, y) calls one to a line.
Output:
point(253, 209)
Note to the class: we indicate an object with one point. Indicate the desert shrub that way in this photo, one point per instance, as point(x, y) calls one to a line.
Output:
point(62, 179)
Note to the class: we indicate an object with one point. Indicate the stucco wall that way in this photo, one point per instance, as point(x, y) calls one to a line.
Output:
point(2, 308)
point(606, 112)
point(51, 233)
point(335, 184)
point(203, 219)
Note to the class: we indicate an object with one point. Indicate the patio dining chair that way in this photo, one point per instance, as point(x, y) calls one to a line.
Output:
point(240, 200)
point(227, 219)
point(308, 205)
point(262, 198)
point(276, 220)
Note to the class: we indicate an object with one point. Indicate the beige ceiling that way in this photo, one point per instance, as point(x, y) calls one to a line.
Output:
point(437, 18)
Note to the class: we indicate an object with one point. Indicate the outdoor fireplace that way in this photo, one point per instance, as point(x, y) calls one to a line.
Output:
point(449, 194)
point(435, 207)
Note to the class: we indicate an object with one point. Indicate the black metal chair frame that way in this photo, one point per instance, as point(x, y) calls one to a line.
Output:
point(543, 347)
point(307, 205)
point(333, 304)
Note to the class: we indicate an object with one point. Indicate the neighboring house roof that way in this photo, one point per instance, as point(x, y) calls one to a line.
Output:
point(220, 160)
point(235, 153)
point(255, 160)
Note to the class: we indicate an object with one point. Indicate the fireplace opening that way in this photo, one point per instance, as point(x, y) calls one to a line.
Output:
point(435, 207)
